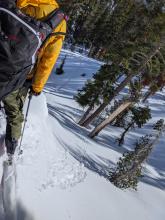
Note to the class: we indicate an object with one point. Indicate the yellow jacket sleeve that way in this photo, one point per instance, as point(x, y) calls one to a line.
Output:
point(47, 58)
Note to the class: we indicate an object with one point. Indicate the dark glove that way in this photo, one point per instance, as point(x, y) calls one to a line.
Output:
point(32, 92)
point(28, 83)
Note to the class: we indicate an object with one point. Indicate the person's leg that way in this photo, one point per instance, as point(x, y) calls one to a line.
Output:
point(13, 104)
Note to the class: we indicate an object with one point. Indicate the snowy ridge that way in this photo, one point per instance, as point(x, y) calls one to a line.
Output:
point(45, 153)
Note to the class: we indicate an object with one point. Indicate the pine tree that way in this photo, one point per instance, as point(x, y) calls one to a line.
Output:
point(101, 87)
point(157, 82)
point(109, 28)
point(97, 28)
point(124, 104)
point(143, 39)
point(121, 108)
point(139, 67)
point(112, 23)
point(129, 167)
point(139, 116)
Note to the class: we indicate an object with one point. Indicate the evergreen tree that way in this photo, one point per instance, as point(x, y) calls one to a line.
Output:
point(139, 116)
point(123, 105)
point(157, 82)
point(98, 89)
point(111, 25)
point(137, 64)
point(139, 61)
point(129, 167)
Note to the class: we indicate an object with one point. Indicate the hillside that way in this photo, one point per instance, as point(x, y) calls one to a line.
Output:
point(62, 174)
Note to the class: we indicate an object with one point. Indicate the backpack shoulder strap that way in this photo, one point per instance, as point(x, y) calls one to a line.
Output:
point(50, 35)
point(55, 18)
point(58, 33)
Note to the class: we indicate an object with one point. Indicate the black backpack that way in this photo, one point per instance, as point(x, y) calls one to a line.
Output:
point(20, 38)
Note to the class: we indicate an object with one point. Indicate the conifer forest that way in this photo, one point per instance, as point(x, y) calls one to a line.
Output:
point(129, 37)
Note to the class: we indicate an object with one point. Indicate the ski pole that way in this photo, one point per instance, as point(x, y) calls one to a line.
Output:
point(25, 120)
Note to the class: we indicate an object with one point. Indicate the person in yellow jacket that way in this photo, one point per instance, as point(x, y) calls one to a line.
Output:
point(13, 103)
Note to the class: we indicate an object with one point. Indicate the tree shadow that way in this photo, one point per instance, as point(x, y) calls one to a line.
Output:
point(156, 182)
point(103, 166)
point(67, 122)
point(54, 92)
point(110, 143)
point(70, 112)
point(99, 165)
point(159, 96)
point(65, 88)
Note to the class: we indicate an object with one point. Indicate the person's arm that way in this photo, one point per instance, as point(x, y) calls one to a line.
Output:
point(48, 58)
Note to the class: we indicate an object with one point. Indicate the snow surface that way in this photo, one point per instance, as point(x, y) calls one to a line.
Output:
point(62, 174)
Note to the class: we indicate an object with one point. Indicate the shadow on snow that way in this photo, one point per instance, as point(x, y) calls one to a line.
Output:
point(98, 164)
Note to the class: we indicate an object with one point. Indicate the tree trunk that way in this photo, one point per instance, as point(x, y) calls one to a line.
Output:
point(103, 105)
point(107, 121)
point(121, 139)
point(100, 53)
point(88, 111)
point(93, 51)
point(94, 115)
point(147, 95)
point(85, 115)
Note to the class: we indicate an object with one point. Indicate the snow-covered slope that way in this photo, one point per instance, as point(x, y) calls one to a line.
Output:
point(62, 173)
